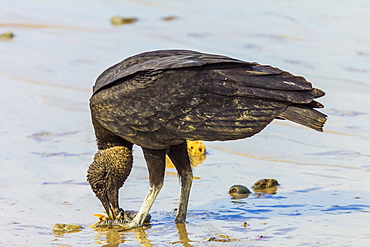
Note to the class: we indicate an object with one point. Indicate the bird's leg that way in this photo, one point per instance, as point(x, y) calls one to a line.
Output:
point(180, 158)
point(155, 160)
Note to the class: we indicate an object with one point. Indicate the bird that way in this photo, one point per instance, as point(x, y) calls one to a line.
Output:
point(161, 99)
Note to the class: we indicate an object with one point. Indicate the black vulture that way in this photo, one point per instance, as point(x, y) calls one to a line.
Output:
point(159, 99)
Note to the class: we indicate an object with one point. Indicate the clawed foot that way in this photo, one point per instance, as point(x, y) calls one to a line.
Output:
point(114, 223)
point(125, 221)
point(117, 223)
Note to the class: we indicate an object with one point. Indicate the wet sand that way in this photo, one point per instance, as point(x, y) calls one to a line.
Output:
point(47, 73)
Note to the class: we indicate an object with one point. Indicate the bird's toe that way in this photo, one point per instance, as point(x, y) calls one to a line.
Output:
point(129, 226)
point(117, 223)
point(125, 221)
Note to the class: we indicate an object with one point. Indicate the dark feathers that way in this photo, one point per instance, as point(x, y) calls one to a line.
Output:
point(158, 99)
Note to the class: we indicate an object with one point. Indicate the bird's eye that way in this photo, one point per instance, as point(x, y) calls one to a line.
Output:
point(99, 186)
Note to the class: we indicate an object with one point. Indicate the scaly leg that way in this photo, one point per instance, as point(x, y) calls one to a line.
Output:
point(155, 160)
point(180, 158)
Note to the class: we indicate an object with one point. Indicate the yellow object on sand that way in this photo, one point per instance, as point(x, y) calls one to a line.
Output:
point(196, 151)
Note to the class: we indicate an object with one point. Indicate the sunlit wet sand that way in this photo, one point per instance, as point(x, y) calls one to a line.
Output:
point(49, 67)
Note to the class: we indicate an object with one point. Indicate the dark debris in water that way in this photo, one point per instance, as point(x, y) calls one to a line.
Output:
point(225, 239)
point(169, 18)
point(363, 53)
point(259, 237)
point(219, 239)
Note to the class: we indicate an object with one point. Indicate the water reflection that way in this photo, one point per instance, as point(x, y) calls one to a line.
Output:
point(183, 235)
point(141, 237)
point(115, 237)
point(109, 237)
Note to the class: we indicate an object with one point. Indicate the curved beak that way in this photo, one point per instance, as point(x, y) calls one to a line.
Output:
point(110, 201)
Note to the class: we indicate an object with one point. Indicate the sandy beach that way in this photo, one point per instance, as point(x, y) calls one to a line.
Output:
point(47, 141)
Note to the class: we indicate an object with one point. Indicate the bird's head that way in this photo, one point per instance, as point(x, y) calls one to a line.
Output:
point(106, 175)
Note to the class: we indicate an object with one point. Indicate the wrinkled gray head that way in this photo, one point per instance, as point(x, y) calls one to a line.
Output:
point(107, 173)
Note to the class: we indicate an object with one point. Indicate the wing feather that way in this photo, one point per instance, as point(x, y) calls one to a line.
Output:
point(159, 98)
point(260, 81)
point(159, 61)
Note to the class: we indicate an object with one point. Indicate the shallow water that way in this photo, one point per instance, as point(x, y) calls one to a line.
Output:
point(47, 142)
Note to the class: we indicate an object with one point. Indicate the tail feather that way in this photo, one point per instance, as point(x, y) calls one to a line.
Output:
point(305, 116)
point(318, 92)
